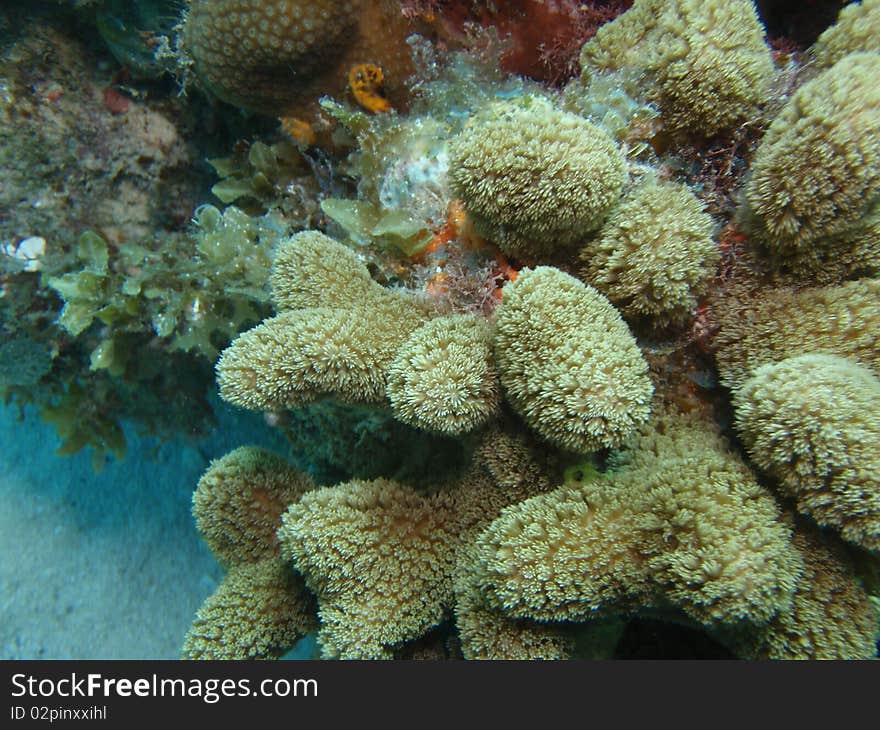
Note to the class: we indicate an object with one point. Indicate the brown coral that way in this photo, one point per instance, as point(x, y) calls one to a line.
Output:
point(709, 66)
point(816, 173)
point(261, 608)
point(535, 178)
point(813, 422)
point(568, 363)
point(654, 256)
point(379, 556)
point(277, 56)
point(239, 501)
point(338, 333)
point(831, 616)
point(486, 632)
point(443, 378)
point(857, 29)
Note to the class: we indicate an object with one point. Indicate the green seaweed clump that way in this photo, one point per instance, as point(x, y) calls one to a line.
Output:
point(106, 333)
point(261, 178)
point(194, 293)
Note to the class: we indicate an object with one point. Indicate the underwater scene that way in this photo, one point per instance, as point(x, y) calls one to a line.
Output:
point(439, 329)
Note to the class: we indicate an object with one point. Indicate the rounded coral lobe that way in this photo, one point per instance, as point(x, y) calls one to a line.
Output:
point(655, 254)
point(568, 363)
point(816, 173)
point(535, 178)
point(443, 378)
point(277, 56)
point(253, 54)
point(813, 422)
point(239, 501)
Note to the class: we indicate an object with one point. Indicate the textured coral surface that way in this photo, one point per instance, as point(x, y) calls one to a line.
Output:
point(566, 313)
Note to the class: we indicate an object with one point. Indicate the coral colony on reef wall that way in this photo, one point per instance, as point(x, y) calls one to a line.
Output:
point(568, 310)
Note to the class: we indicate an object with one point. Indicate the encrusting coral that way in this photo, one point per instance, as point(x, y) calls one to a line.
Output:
point(486, 632)
point(709, 66)
point(261, 608)
point(831, 615)
point(857, 29)
point(568, 363)
point(533, 178)
point(816, 174)
point(654, 256)
point(813, 423)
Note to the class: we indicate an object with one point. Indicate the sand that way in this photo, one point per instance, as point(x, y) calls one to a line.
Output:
point(109, 565)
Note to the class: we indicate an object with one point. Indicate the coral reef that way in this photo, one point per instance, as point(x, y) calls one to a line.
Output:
point(376, 246)
point(707, 61)
point(813, 422)
point(678, 528)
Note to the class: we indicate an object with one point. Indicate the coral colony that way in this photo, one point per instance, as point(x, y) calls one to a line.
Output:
point(568, 310)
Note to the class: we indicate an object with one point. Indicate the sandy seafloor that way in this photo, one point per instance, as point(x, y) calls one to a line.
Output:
point(108, 565)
